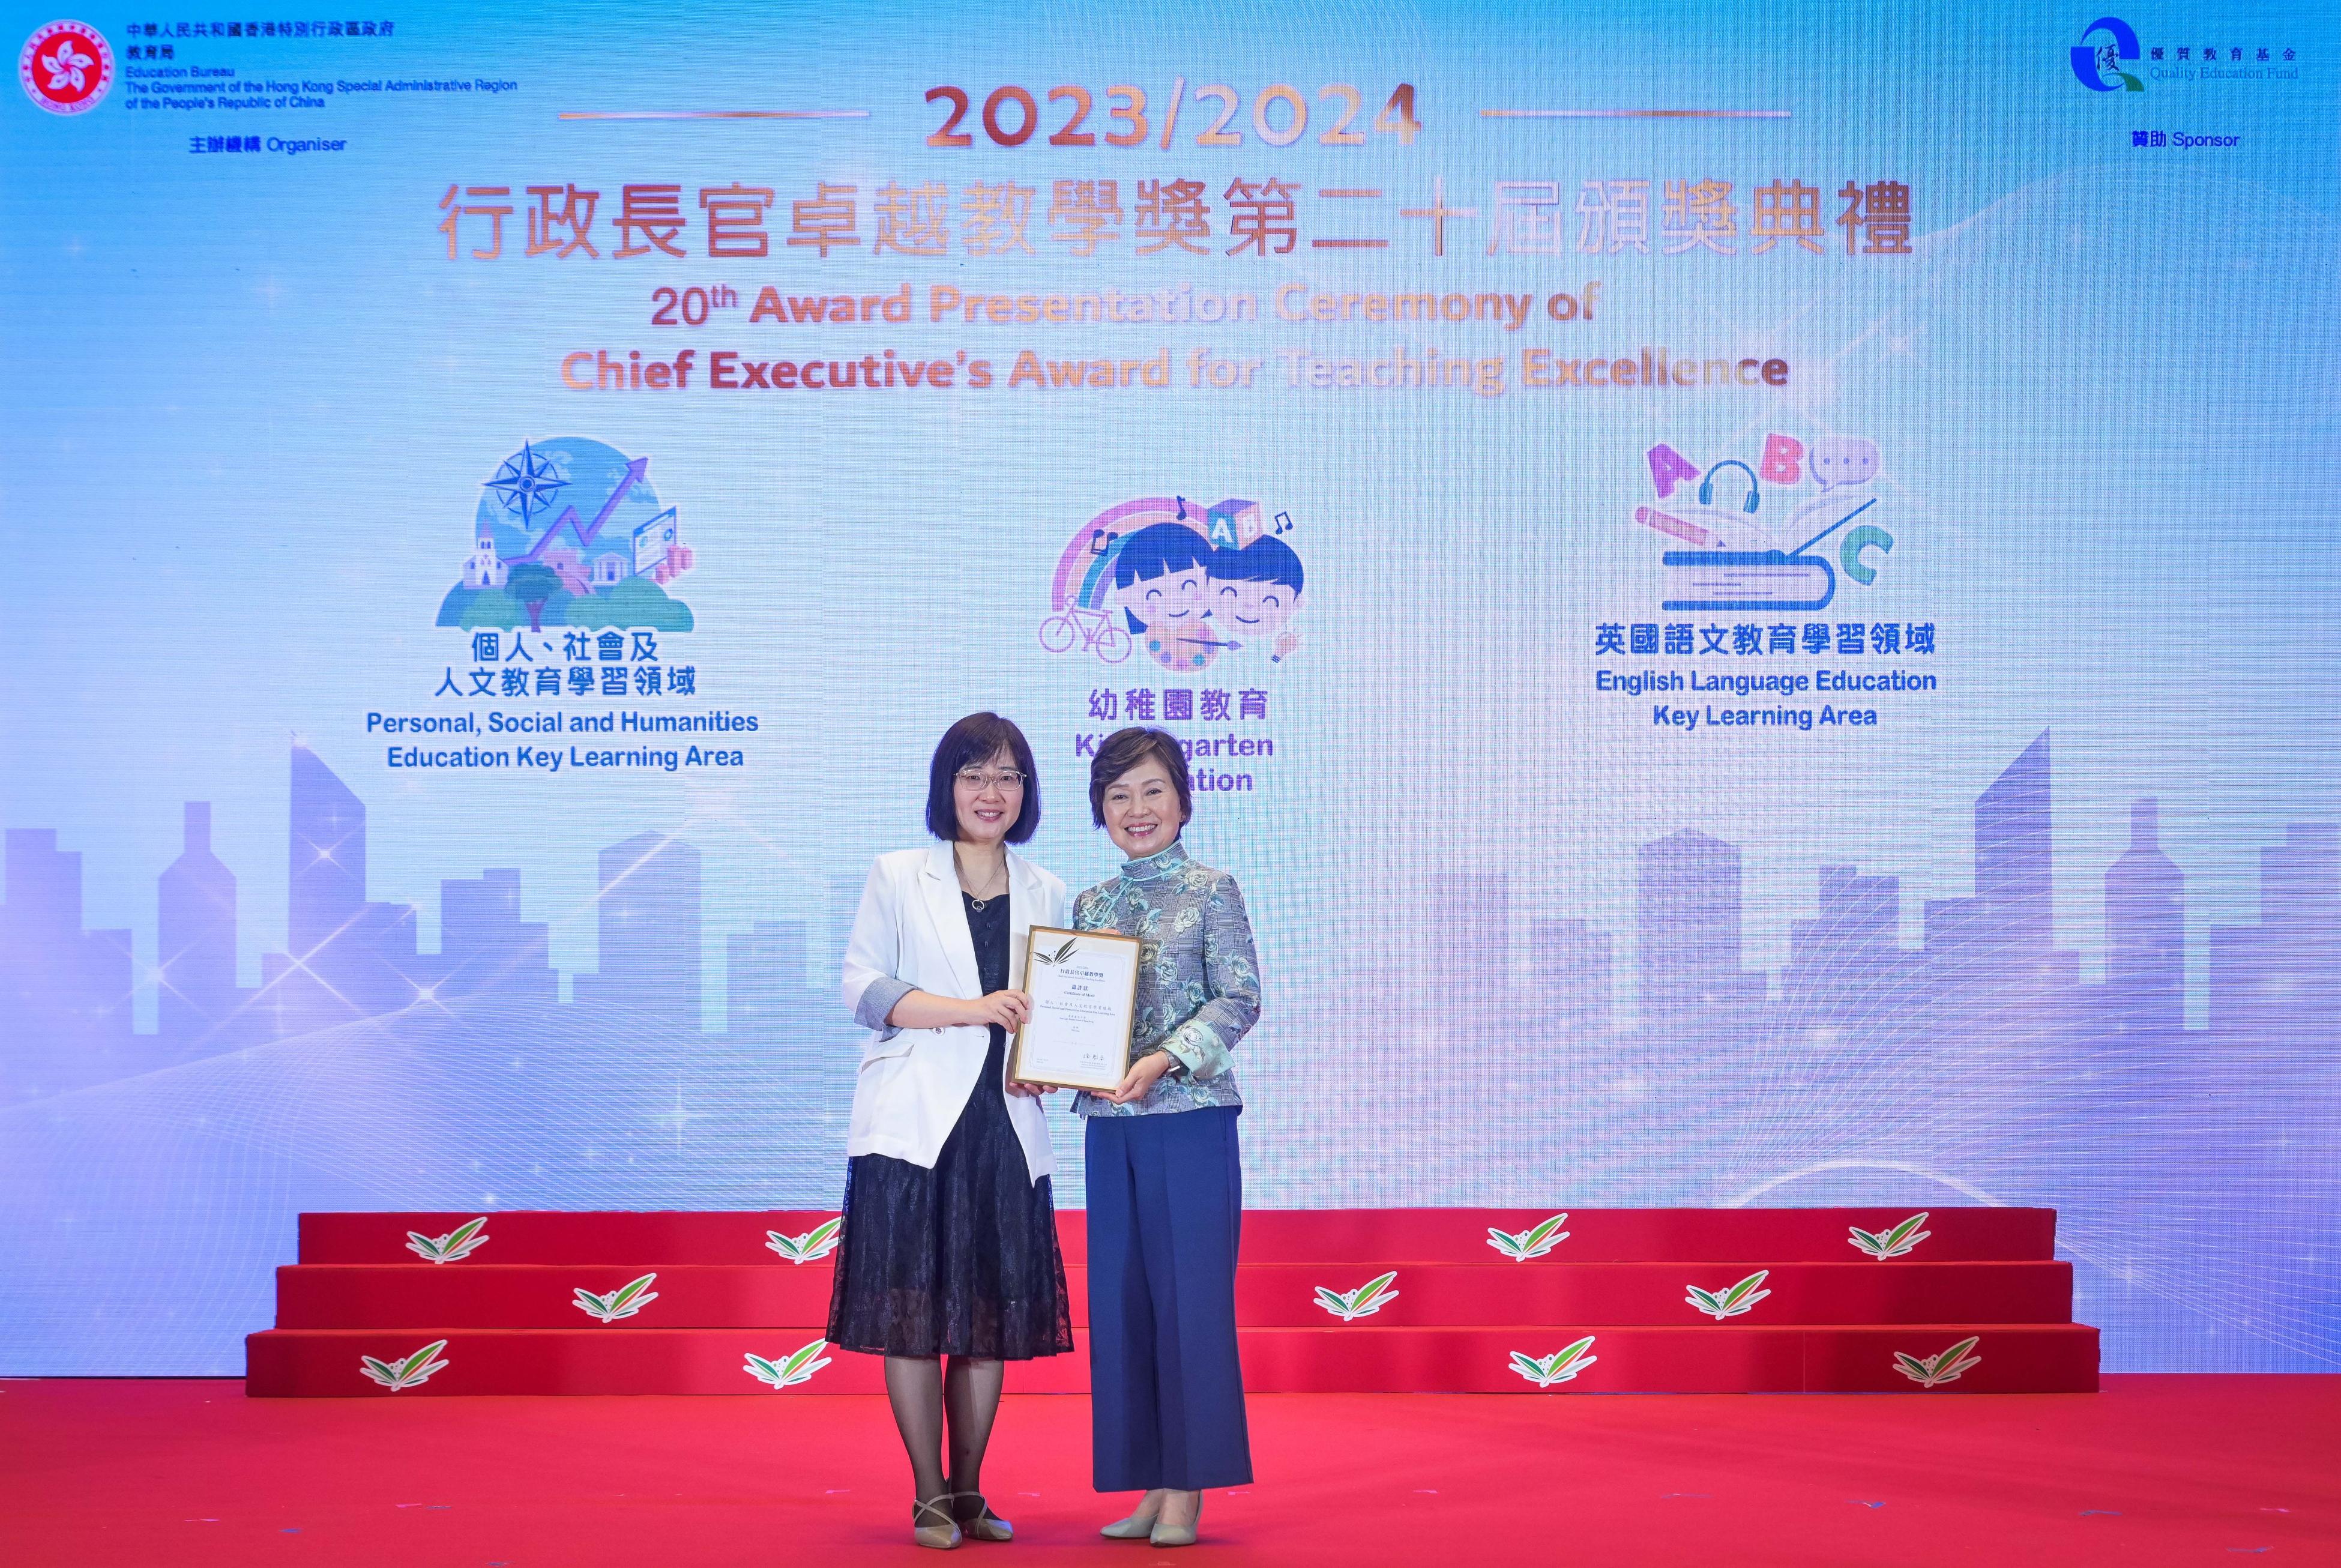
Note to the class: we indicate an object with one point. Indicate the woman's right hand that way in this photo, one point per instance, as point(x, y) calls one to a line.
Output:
point(1009, 1009)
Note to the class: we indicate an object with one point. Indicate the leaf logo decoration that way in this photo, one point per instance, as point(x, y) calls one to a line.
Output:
point(1560, 1366)
point(1059, 956)
point(814, 1244)
point(1894, 1243)
point(624, 1302)
point(394, 1375)
point(797, 1367)
point(1942, 1367)
point(1364, 1302)
point(460, 1242)
point(1730, 1302)
point(1532, 1242)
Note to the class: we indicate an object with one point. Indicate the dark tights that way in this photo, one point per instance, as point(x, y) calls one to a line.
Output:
point(925, 1391)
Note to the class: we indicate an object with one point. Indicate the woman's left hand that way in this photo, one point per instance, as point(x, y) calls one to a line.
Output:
point(1023, 1091)
point(1141, 1077)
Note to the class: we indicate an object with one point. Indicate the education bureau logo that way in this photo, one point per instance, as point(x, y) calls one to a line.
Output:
point(1207, 595)
point(2098, 58)
point(66, 67)
point(1762, 554)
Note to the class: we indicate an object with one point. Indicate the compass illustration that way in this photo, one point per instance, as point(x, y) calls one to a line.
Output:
point(527, 482)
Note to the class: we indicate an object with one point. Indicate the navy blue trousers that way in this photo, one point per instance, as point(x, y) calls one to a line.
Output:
point(1166, 1205)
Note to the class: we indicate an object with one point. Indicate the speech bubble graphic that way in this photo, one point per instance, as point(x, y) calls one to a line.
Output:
point(1844, 460)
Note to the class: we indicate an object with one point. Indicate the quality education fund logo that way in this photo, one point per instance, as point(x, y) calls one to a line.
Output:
point(66, 67)
point(2098, 58)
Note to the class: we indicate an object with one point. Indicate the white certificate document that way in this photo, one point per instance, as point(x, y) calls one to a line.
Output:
point(1084, 991)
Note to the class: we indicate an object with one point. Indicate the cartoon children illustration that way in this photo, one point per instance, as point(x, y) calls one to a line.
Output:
point(1254, 591)
point(1160, 582)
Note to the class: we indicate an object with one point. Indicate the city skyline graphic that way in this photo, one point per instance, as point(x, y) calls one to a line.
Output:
point(2192, 1168)
point(349, 958)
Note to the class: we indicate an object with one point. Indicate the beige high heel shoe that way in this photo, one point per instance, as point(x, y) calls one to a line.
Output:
point(942, 1537)
point(986, 1526)
point(1178, 1534)
point(1139, 1525)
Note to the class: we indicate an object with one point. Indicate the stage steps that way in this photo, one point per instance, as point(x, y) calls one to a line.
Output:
point(1599, 1300)
point(1267, 1295)
point(1269, 1236)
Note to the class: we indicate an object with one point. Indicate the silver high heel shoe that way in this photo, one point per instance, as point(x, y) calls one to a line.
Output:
point(1139, 1525)
point(986, 1526)
point(1178, 1534)
point(943, 1536)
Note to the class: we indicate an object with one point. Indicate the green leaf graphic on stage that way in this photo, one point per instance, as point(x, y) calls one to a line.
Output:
point(817, 1242)
point(460, 1242)
point(798, 1367)
point(1532, 1242)
point(624, 1301)
point(1943, 1366)
point(1730, 1302)
point(1894, 1243)
point(407, 1372)
point(1364, 1302)
point(1560, 1366)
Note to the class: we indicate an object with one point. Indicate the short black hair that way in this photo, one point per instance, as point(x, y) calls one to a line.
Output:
point(979, 738)
point(1158, 550)
point(1127, 748)
point(1266, 559)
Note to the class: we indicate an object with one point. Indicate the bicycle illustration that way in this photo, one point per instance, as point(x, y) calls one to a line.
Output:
point(1093, 629)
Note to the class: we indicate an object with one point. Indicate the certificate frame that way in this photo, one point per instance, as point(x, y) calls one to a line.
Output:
point(1058, 940)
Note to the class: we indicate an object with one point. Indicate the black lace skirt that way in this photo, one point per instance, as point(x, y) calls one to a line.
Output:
point(959, 1260)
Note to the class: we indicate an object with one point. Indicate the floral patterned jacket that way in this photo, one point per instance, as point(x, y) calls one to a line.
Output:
point(1198, 978)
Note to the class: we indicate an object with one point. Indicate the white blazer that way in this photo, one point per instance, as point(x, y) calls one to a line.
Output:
point(911, 928)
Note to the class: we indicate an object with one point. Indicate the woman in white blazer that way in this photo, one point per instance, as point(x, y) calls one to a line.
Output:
point(948, 1247)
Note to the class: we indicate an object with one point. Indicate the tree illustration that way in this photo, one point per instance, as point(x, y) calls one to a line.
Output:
point(533, 583)
point(490, 607)
point(635, 602)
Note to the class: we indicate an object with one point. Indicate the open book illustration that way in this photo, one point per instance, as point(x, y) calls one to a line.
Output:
point(1747, 579)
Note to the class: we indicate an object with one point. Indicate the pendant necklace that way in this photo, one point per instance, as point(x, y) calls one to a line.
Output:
point(976, 904)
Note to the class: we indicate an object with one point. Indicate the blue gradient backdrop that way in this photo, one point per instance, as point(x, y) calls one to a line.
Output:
point(1522, 944)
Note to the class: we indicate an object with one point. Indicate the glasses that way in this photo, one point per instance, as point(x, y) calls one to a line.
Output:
point(981, 779)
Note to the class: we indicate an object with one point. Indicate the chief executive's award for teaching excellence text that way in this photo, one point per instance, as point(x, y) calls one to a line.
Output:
point(1084, 988)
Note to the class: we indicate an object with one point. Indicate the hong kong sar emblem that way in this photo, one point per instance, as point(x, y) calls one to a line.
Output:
point(66, 67)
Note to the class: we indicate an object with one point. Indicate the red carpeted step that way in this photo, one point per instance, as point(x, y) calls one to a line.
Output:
point(1267, 1295)
point(1269, 1236)
point(1711, 1358)
point(545, 1236)
point(1643, 1235)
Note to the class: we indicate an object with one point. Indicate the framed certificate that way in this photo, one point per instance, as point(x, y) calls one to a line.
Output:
point(1084, 990)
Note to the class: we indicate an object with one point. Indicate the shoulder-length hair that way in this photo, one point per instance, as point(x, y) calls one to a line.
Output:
point(974, 740)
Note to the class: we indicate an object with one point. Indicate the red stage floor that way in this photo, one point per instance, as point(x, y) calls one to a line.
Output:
point(2153, 1471)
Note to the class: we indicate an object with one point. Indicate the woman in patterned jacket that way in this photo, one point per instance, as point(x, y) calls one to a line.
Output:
point(1165, 1176)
